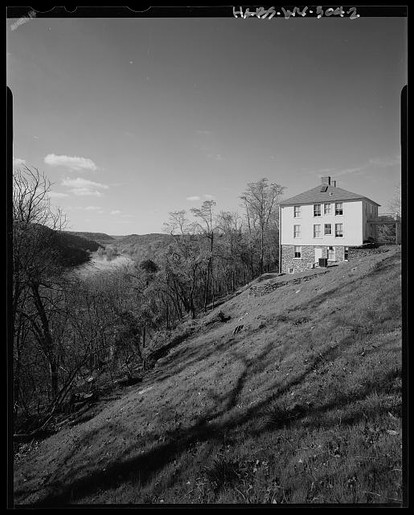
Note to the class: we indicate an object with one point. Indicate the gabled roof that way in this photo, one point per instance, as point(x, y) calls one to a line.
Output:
point(316, 195)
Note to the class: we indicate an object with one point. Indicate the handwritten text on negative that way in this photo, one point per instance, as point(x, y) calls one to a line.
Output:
point(318, 12)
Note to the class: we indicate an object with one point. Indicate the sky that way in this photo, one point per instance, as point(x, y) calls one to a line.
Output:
point(131, 119)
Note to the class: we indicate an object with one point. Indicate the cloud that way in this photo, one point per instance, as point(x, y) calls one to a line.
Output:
point(205, 196)
point(57, 194)
point(378, 162)
point(84, 187)
point(347, 171)
point(216, 157)
point(79, 182)
point(385, 161)
point(17, 161)
point(116, 212)
point(73, 163)
point(326, 170)
point(92, 208)
point(86, 192)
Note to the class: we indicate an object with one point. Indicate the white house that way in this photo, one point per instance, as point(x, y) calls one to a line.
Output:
point(323, 223)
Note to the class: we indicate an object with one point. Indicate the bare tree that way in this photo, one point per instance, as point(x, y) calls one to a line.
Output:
point(260, 201)
point(206, 227)
point(395, 204)
point(231, 249)
point(182, 262)
point(34, 226)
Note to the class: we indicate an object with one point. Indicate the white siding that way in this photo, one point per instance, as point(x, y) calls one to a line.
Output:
point(352, 220)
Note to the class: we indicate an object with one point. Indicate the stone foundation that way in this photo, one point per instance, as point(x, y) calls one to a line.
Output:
point(359, 252)
point(307, 259)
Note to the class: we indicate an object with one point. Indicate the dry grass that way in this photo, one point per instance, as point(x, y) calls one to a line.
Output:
point(303, 405)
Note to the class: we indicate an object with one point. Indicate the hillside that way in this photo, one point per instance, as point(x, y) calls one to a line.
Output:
point(141, 247)
point(74, 250)
point(68, 249)
point(136, 246)
point(98, 237)
point(289, 392)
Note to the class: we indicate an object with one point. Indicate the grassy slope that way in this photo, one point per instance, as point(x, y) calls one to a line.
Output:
point(303, 405)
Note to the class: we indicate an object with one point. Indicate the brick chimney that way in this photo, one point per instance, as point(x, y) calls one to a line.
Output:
point(326, 181)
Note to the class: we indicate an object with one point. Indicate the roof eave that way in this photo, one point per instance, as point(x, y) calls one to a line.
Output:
point(294, 202)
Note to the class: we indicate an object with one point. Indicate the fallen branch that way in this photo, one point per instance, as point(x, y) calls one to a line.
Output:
point(28, 437)
point(41, 430)
point(74, 417)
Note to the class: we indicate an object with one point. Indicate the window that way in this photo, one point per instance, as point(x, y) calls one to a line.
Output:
point(296, 231)
point(328, 229)
point(298, 252)
point(327, 209)
point(346, 253)
point(316, 210)
point(317, 231)
point(339, 208)
point(296, 211)
point(331, 254)
point(339, 230)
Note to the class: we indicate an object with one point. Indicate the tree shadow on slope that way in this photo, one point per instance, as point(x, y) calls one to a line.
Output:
point(279, 415)
point(145, 466)
point(182, 359)
point(208, 428)
point(163, 351)
point(142, 468)
point(190, 354)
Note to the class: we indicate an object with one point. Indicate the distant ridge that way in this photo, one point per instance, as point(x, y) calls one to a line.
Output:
point(143, 238)
point(99, 237)
point(141, 246)
point(137, 246)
